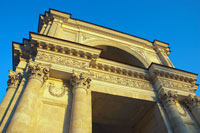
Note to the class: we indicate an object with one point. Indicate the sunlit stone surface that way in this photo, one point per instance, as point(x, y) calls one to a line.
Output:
point(76, 77)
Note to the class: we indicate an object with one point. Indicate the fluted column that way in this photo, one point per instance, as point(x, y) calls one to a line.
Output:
point(168, 101)
point(24, 117)
point(193, 103)
point(13, 82)
point(80, 115)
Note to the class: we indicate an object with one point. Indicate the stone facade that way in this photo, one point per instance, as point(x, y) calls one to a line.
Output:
point(77, 77)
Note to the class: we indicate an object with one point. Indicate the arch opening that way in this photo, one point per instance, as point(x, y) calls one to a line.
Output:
point(118, 55)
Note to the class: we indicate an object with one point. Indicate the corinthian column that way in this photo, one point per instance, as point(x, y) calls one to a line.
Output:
point(80, 116)
point(24, 117)
point(193, 103)
point(13, 82)
point(169, 103)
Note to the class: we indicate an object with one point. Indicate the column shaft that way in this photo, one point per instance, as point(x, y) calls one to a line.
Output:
point(12, 82)
point(81, 121)
point(23, 117)
point(175, 119)
point(193, 103)
point(196, 113)
point(169, 103)
point(5, 102)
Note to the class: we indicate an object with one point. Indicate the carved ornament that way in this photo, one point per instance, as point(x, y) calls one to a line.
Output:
point(181, 110)
point(177, 86)
point(38, 71)
point(13, 79)
point(80, 80)
point(66, 61)
point(193, 101)
point(56, 91)
point(130, 82)
point(121, 70)
point(167, 97)
point(68, 49)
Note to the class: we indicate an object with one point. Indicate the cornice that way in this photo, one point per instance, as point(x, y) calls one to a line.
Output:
point(161, 46)
point(119, 68)
point(63, 46)
point(172, 73)
point(123, 80)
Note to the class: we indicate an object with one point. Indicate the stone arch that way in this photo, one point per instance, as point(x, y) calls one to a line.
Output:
point(135, 53)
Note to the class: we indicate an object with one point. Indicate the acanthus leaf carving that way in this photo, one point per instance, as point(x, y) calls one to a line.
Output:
point(193, 101)
point(167, 97)
point(39, 71)
point(80, 80)
point(13, 79)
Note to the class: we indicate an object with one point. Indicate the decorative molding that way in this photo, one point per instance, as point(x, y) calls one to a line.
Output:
point(121, 69)
point(63, 47)
point(39, 71)
point(56, 91)
point(177, 86)
point(116, 79)
point(158, 70)
point(66, 61)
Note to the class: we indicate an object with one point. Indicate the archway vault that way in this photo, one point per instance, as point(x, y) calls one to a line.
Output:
point(107, 45)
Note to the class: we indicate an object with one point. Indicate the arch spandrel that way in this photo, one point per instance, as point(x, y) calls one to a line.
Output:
point(136, 53)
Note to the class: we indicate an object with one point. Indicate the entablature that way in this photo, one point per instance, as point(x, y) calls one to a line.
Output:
point(119, 68)
point(184, 83)
point(172, 73)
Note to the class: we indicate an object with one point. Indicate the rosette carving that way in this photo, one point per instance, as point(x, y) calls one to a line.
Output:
point(39, 71)
point(80, 80)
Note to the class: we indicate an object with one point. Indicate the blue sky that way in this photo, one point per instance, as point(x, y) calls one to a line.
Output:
point(176, 22)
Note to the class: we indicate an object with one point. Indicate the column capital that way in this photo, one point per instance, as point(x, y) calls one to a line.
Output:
point(38, 71)
point(193, 100)
point(13, 79)
point(80, 80)
point(167, 97)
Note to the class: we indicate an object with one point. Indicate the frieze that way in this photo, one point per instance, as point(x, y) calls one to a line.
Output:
point(62, 60)
point(177, 86)
point(121, 80)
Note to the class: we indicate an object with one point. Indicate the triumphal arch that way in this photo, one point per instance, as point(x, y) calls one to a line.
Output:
point(77, 77)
